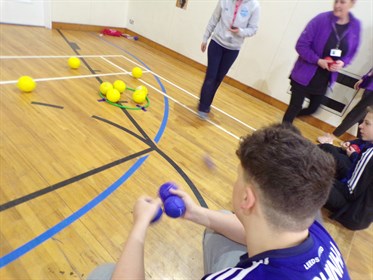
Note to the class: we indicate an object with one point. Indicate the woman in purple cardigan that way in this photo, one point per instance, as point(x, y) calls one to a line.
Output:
point(328, 43)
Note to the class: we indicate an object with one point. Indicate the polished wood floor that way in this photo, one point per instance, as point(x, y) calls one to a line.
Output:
point(73, 166)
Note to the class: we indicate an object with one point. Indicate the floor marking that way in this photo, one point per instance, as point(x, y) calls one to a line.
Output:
point(65, 78)
point(128, 73)
point(46, 104)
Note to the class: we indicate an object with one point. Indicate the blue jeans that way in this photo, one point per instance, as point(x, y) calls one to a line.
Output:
point(219, 61)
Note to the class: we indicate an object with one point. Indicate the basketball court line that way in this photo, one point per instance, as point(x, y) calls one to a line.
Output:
point(124, 72)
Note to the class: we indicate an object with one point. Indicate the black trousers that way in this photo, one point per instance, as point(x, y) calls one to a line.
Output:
point(343, 162)
point(296, 102)
point(339, 193)
point(338, 197)
point(219, 61)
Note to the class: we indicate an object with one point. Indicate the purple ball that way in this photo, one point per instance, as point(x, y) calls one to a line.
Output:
point(174, 206)
point(157, 216)
point(164, 190)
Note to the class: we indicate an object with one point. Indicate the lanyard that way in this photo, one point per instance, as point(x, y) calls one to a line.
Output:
point(238, 4)
point(339, 39)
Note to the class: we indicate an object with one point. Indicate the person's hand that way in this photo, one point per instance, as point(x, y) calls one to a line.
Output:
point(234, 29)
point(203, 46)
point(145, 209)
point(190, 205)
point(345, 145)
point(357, 84)
point(336, 66)
point(323, 63)
point(350, 150)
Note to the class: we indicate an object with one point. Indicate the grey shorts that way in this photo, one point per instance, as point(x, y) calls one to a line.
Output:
point(220, 252)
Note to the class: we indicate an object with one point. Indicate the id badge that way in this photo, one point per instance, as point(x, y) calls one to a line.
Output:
point(336, 52)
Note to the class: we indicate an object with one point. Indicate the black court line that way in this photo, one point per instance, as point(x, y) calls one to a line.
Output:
point(121, 128)
point(46, 104)
point(146, 139)
point(164, 155)
point(72, 180)
point(75, 48)
point(194, 189)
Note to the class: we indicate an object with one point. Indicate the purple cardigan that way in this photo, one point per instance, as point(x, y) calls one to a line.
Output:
point(311, 43)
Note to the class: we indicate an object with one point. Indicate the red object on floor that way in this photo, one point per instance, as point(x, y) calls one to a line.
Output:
point(112, 32)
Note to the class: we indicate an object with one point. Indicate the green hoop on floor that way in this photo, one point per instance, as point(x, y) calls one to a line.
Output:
point(126, 107)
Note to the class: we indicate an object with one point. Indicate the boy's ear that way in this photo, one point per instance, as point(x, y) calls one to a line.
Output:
point(249, 199)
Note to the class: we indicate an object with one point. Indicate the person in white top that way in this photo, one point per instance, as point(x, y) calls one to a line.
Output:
point(231, 22)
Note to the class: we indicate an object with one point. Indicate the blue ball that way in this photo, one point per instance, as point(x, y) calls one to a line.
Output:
point(157, 216)
point(164, 190)
point(174, 206)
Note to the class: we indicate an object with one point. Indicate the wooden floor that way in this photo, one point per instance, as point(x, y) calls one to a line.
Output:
point(72, 166)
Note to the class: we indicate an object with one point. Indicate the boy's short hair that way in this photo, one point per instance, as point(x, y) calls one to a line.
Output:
point(292, 175)
point(369, 109)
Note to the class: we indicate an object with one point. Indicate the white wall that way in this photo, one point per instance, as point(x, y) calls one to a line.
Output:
point(111, 13)
point(265, 60)
point(25, 12)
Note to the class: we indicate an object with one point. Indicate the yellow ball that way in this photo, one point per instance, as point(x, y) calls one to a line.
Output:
point(26, 84)
point(119, 85)
point(113, 95)
point(143, 88)
point(74, 62)
point(139, 96)
point(105, 87)
point(137, 72)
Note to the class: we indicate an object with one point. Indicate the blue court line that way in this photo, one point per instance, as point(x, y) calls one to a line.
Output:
point(10, 257)
point(20, 251)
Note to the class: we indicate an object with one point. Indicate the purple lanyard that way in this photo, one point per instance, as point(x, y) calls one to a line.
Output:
point(238, 4)
point(339, 39)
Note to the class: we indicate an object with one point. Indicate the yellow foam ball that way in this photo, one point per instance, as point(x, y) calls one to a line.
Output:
point(105, 87)
point(139, 96)
point(120, 85)
point(143, 88)
point(26, 84)
point(113, 95)
point(137, 72)
point(74, 62)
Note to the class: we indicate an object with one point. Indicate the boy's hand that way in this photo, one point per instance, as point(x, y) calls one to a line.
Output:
point(345, 145)
point(350, 150)
point(145, 209)
point(190, 205)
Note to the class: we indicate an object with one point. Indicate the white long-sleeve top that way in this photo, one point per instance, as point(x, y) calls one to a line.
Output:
point(247, 20)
